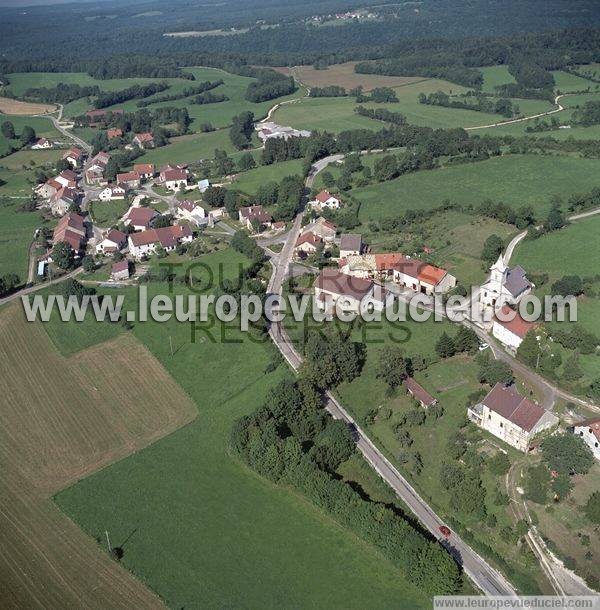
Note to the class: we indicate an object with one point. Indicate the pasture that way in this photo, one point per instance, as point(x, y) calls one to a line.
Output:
point(249, 181)
point(63, 418)
point(494, 76)
point(42, 127)
point(514, 179)
point(195, 506)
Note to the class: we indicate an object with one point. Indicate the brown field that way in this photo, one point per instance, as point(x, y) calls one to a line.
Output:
point(10, 106)
point(61, 419)
point(345, 76)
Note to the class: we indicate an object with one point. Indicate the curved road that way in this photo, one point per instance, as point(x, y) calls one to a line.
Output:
point(489, 580)
point(56, 122)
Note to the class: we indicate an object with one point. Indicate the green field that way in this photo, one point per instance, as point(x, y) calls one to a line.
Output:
point(514, 179)
point(565, 82)
point(494, 76)
point(42, 127)
point(107, 213)
point(249, 182)
point(337, 114)
point(185, 507)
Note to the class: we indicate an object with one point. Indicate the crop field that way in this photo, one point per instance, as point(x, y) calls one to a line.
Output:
point(249, 182)
point(344, 75)
point(513, 179)
point(10, 106)
point(195, 506)
point(63, 418)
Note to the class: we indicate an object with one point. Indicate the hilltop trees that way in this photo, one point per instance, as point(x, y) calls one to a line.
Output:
point(8, 130)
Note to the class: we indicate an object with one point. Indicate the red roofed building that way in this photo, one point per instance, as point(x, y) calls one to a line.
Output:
point(120, 270)
point(510, 328)
point(144, 170)
point(326, 200)
point(511, 417)
point(589, 431)
point(254, 212)
point(112, 241)
point(307, 244)
point(95, 117)
point(114, 132)
point(143, 140)
point(70, 229)
point(173, 178)
point(74, 156)
point(129, 179)
point(146, 242)
point(419, 393)
point(140, 218)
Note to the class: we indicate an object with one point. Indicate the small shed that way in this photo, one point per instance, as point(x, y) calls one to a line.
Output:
point(120, 270)
point(419, 392)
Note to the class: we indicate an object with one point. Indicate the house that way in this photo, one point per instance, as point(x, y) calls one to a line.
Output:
point(511, 417)
point(143, 140)
point(350, 243)
point(332, 286)
point(114, 132)
point(144, 170)
point(192, 212)
point(48, 189)
point(203, 185)
point(411, 273)
point(510, 332)
point(120, 270)
point(129, 180)
point(74, 156)
point(112, 192)
point(140, 218)
point(112, 241)
point(325, 200)
point(67, 178)
point(306, 245)
point(71, 229)
point(419, 393)
point(589, 431)
point(94, 172)
point(505, 285)
point(146, 242)
point(41, 144)
point(63, 199)
point(247, 215)
point(174, 179)
point(323, 228)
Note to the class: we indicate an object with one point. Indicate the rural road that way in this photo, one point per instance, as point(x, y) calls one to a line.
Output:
point(31, 289)
point(490, 581)
point(512, 245)
point(56, 122)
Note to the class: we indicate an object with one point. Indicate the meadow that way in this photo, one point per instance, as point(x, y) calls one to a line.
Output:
point(249, 181)
point(42, 127)
point(514, 179)
point(186, 507)
point(107, 213)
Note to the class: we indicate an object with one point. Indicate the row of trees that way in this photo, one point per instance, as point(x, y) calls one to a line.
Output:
point(242, 128)
point(110, 98)
point(269, 85)
point(63, 93)
point(186, 92)
point(481, 103)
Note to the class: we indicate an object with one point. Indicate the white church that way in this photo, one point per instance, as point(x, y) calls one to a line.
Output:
point(505, 286)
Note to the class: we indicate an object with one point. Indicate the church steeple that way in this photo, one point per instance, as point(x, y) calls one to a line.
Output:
point(498, 270)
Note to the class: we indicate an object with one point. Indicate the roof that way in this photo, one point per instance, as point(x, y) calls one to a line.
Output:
point(74, 152)
point(120, 266)
point(118, 237)
point(255, 211)
point(323, 196)
point(174, 174)
point(144, 137)
point(166, 236)
point(515, 281)
point(141, 216)
point(351, 241)
point(144, 168)
point(308, 238)
point(419, 392)
point(412, 267)
point(430, 274)
point(331, 280)
point(128, 177)
point(114, 132)
point(508, 403)
point(518, 326)
point(70, 229)
point(187, 205)
point(68, 174)
point(593, 424)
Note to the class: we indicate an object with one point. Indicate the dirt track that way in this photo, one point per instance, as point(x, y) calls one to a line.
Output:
point(60, 419)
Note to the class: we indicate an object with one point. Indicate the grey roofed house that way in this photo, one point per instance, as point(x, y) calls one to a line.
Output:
point(507, 402)
point(516, 282)
point(351, 242)
point(332, 281)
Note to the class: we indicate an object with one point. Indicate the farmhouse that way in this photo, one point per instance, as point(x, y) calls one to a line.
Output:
point(96, 117)
point(67, 178)
point(510, 332)
point(325, 200)
point(94, 172)
point(143, 140)
point(112, 241)
point(112, 193)
point(63, 199)
point(120, 270)
point(74, 156)
point(140, 218)
point(129, 180)
point(408, 272)
point(322, 228)
point(505, 285)
point(419, 393)
point(173, 178)
point(254, 213)
point(350, 244)
point(42, 144)
point(114, 132)
point(144, 170)
point(70, 229)
point(589, 431)
point(192, 212)
point(511, 417)
point(332, 286)
point(48, 189)
point(306, 245)
point(147, 242)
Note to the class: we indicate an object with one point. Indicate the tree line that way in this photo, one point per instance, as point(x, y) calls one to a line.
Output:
point(187, 92)
point(110, 98)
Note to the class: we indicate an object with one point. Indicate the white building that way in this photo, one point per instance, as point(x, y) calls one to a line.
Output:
point(511, 417)
point(112, 193)
point(510, 328)
point(505, 285)
point(267, 130)
point(111, 242)
point(192, 212)
point(42, 144)
point(326, 200)
point(589, 431)
point(147, 242)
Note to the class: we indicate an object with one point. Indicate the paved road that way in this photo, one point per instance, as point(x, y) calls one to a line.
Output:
point(57, 124)
point(512, 245)
point(490, 581)
point(37, 287)
point(584, 214)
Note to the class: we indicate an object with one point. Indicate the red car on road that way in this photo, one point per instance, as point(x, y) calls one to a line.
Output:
point(446, 533)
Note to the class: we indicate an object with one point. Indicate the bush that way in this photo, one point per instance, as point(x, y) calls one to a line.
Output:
point(499, 464)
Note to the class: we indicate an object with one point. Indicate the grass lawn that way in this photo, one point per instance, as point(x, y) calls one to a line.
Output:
point(513, 179)
point(565, 82)
point(250, 181)
point(190, 148)
point(107, 213)
point(42, 127)
point(186, 507)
